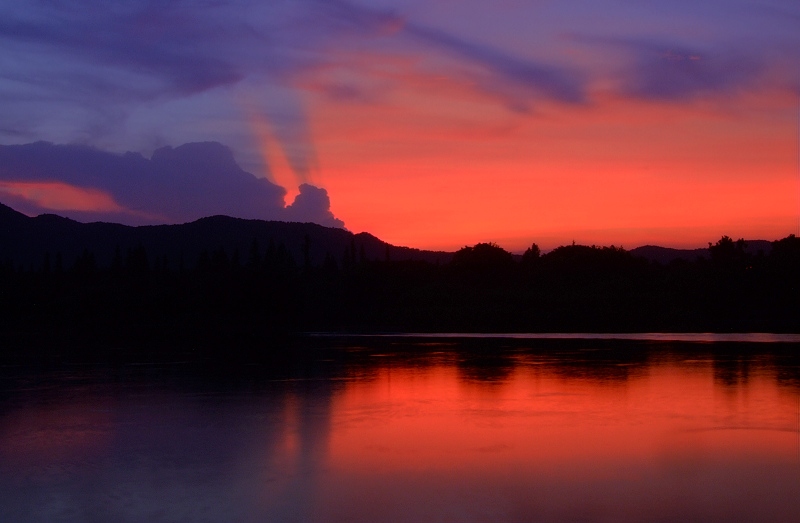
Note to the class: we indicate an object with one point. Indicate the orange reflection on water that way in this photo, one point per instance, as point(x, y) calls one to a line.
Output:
point(537, 418)
point(420, 436)
point(56, 433)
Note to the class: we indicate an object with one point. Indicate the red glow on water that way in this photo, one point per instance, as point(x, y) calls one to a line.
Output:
point(536, 420)
point(441, 436)
point(55, 433)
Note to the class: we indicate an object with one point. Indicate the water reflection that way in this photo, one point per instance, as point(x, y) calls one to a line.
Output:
point(513, 430)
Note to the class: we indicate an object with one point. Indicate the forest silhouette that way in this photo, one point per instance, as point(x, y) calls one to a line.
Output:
point(221, 283)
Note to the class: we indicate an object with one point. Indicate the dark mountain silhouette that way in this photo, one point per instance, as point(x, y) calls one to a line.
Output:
point(26, 241)
point(666, 255)
point(9, 218)
point(227, 284)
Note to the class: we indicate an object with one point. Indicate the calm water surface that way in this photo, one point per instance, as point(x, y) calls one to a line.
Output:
point(411, 429)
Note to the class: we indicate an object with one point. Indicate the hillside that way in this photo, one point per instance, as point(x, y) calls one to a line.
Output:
point(666, 255)
point(223, 283)
point(27, 241)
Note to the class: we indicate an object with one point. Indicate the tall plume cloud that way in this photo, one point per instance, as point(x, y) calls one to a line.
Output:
point(175, 185)
point(138, 74)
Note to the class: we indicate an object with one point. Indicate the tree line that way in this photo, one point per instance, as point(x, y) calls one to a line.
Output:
point(226, 298)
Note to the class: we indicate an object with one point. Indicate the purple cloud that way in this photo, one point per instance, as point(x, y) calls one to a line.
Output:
point(312, 205)
point(541, 80)
point(677, 75)
point(657, 70)
point(137, 74)
point(175, 185)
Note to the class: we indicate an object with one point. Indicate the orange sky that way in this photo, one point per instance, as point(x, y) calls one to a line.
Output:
point(459, 169)
point(436, 124)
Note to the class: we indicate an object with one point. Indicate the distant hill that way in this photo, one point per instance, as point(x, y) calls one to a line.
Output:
point(666, 255)
point(86, 284)
point(26, 241)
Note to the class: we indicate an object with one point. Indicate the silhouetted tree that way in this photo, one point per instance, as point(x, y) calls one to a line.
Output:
point(203, 262)
point(306, 249)
point(116, 261)
point(482, 255)
point(58, 269)
point(484, 264)
point(531, 256)
point(85, 266)
point(271, 256)
point(46, 264)
point(254, 259)
point(330, 266)
point(283, 258)
point(787, 250)
point(729, 254)
point(219, 261)
point(136, 262)
point(235, 261)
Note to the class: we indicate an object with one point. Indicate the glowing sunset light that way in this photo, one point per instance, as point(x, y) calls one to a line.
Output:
point(535, 410)
point(400, 260)
point(273, 156)
point(431, 126)
point(60, 196)
point(428, 434)
point(603, 175)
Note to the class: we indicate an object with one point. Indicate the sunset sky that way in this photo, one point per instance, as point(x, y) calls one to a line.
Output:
point(433, 124)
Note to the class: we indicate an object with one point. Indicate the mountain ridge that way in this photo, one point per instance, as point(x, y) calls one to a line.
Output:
point(666, 255)
point(229, 282)
point(27, 240)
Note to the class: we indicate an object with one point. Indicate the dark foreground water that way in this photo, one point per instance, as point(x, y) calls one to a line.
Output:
point(409, 429)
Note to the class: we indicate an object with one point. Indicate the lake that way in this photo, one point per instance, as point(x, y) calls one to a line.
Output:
point(434, 428)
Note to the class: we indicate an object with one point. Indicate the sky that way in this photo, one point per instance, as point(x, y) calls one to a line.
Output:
point(432, 124)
